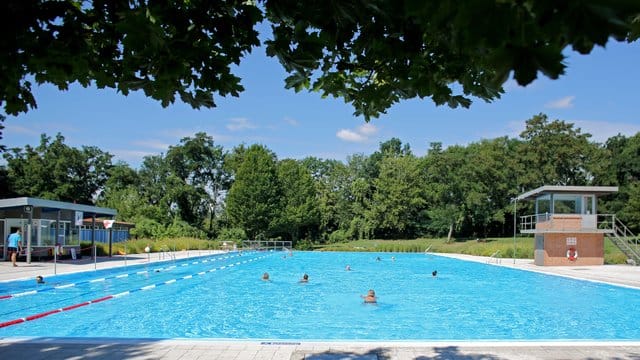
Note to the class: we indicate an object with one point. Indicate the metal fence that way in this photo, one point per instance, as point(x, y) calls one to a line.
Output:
point(267, 244)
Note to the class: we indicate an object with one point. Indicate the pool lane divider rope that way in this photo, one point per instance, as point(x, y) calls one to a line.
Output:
point(114, 296)
point(33, 292)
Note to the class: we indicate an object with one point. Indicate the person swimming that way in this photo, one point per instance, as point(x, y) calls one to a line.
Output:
point(305, 278)
point(370, 298)
point(434, 273)
point(39, 279)
point(348, 268)
point(265, 276)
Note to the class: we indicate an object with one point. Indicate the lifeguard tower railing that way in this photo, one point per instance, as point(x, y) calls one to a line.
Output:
point(607, 224)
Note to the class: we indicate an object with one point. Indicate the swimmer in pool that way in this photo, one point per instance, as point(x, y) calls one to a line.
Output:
point(39, 279)
point(370, 298)
point(265, 277)
point(305, 278)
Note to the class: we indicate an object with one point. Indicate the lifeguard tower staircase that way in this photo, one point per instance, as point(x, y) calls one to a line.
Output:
point(569, 231)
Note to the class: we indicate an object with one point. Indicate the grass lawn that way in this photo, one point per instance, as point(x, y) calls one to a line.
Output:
point(481, 247)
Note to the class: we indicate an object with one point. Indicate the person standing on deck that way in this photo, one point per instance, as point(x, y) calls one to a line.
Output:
point(15, 245)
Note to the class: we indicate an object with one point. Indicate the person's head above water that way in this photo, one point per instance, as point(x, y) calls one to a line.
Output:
point(370, 297)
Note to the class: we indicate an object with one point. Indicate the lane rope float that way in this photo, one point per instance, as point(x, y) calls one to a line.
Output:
point(216, 257)
point(121, 294)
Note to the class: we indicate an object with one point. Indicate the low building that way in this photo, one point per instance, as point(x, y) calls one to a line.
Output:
point(54, 227)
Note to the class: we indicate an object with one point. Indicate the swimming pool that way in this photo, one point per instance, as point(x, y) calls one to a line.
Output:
point(222, 297)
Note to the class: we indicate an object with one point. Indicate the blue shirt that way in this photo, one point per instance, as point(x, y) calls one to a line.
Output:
point(14, 239)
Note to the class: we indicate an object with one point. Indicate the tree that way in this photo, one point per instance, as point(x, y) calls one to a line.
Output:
point(166, 49)
point(358, 192)
point(333, 187)
point(490, 182)
point(254, 200)
point(630, 212)
point(624, 158)
point(372, 54)
point(55, 171)
point(555, 153)
point(120, 176)
point(622, 167)
point(154, 188)
point(300, 210)
point(398, 203)
point(2, 119)
point(445, 188)
point(121, 192)
point(199, 167)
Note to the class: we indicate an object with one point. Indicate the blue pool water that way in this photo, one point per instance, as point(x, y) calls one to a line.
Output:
point(223, 297)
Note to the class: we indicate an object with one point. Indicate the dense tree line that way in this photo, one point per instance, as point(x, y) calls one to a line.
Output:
point(200, 189)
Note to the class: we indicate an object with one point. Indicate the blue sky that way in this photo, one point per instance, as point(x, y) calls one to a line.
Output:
point(599, 93)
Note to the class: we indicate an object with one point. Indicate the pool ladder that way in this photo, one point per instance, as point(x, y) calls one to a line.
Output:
point(166, 254)
point(427, 250)
point(495, 257)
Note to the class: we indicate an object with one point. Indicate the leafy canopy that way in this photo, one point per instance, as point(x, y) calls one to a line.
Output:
point(370, 53)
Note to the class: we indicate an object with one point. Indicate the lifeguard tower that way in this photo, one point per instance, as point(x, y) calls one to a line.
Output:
point(568, 229)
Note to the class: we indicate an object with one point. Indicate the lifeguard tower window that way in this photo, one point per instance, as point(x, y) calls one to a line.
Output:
point(543, 204)
point(565, 204)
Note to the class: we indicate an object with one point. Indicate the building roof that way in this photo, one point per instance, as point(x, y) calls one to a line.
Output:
point(57, 205)
point(573, 190)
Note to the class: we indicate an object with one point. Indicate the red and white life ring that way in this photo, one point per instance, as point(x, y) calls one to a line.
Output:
point(572, 254)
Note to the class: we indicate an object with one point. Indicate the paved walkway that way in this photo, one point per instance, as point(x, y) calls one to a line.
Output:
point(624, 275)
point(115, 349)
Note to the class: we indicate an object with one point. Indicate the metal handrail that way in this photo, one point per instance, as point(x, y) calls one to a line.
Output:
point(604, 222)
point(626, 233)
point(166, 253)
point(607, 222)
point(528, 222)
point(494, 256)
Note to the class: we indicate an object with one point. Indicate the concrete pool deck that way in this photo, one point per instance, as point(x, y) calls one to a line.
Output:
point(112, 349)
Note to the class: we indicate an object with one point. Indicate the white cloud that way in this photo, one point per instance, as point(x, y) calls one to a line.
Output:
point(603, 130)
point(564, 103)
point(291, 121)
point(361, 134)
point(237, 124)
point(20, 130)
point(350, 135)
point(132, 154)
point(177, 134)
point(367, 129)
point(152, 144)
point(132, 157)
